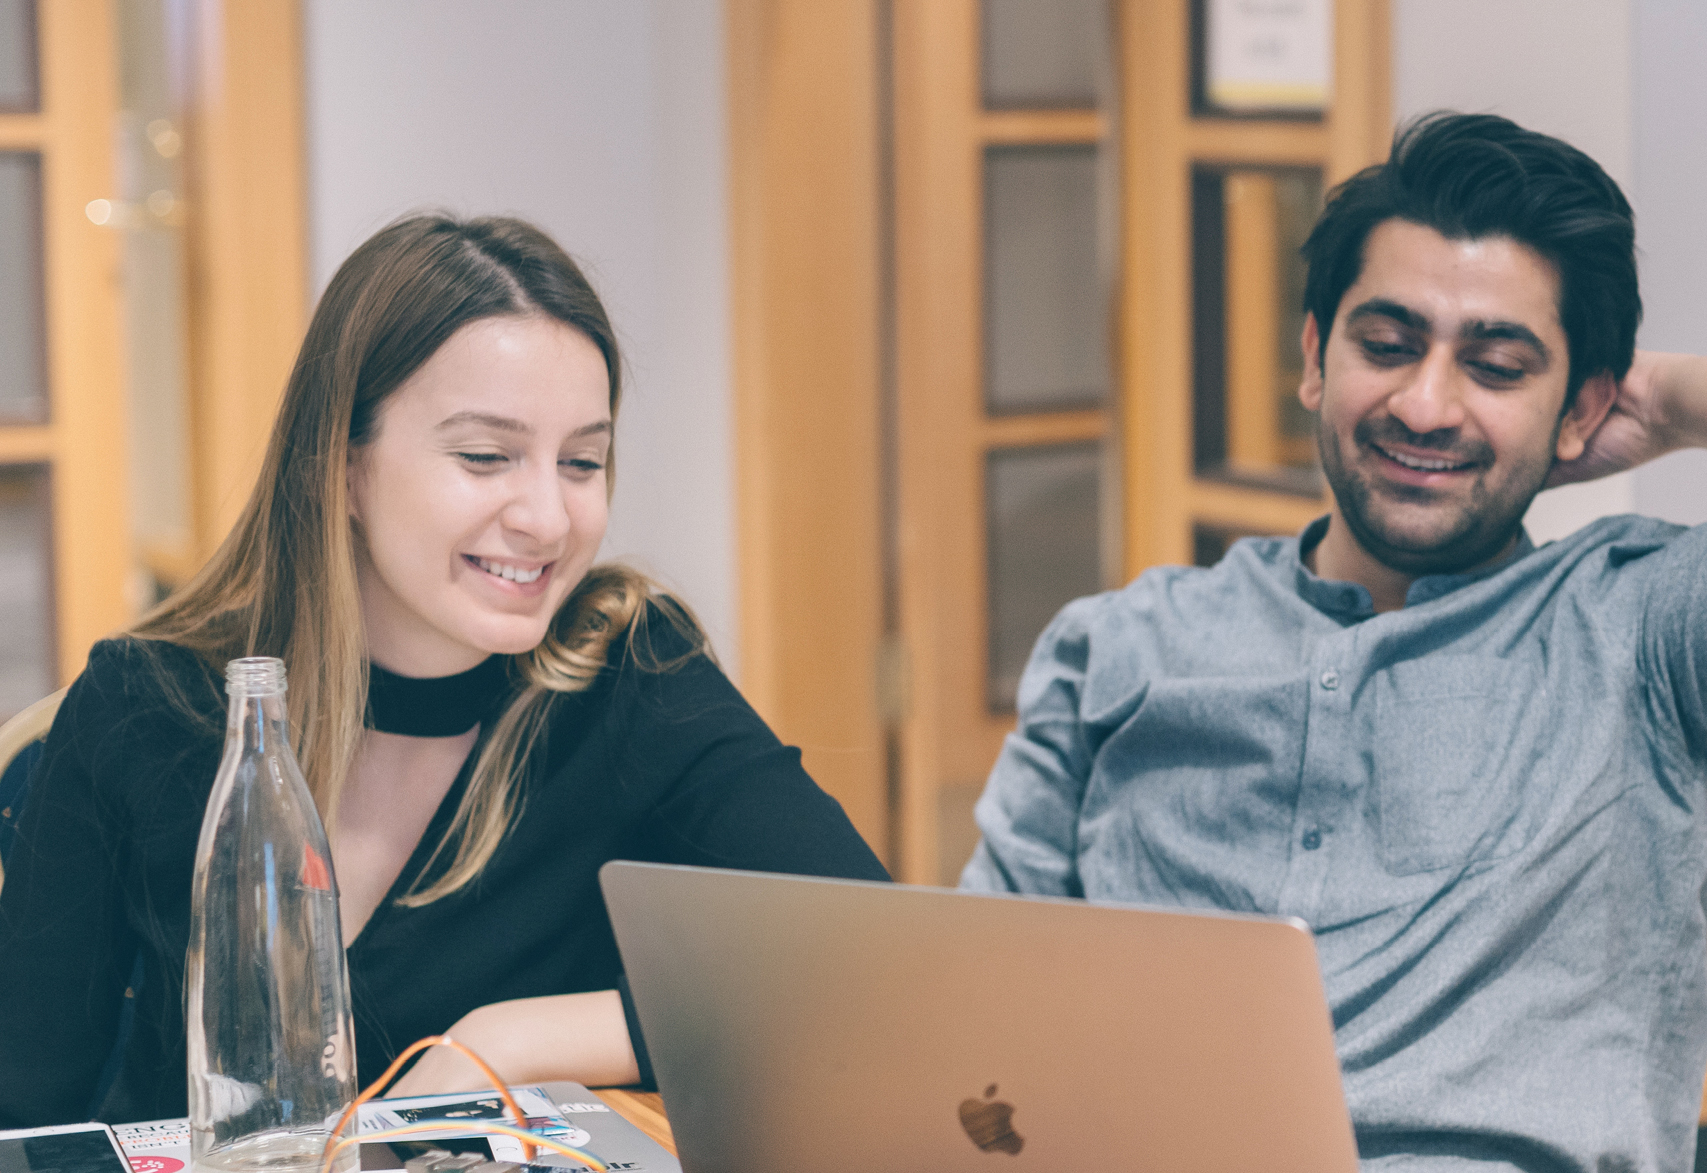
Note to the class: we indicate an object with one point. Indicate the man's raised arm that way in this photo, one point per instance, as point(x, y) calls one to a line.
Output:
point(1661, 407)
point(1664, 402)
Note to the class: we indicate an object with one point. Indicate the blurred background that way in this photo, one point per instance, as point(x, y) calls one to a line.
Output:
point(938, 313)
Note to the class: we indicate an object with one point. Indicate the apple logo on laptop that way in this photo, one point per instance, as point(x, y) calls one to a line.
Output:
point(989, 1122)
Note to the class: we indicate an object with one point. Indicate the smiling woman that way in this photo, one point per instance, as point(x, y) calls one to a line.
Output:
point(484, 717)
point(481, 497)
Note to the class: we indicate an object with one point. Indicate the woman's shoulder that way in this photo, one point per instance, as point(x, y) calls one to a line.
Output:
point(665, 636)
point(660, 666)
point(139, 668)
point(665, 659)
point(141, 684)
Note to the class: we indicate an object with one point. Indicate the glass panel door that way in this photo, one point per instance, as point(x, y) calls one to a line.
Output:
point(23, 348)
point(1248, 228)
point(27, 669)
point(63, 544)
point(151, 158)
point(20, 68)
point(1046, 308)
point(1004, 397)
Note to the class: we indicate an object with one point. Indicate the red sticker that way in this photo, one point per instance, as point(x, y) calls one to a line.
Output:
point(155, 1164)
point(315, 873)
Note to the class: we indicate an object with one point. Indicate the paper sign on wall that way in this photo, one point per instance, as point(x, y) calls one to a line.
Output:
point(1269, 54)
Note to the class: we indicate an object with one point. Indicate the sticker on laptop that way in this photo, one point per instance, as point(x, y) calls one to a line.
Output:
point(541, 1115)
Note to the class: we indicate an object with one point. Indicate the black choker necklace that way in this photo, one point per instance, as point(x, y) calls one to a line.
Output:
point(440, 706)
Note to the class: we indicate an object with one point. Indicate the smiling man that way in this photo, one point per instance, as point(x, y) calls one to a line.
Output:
point(1477, 768)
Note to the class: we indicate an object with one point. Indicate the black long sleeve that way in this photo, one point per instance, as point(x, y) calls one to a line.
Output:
point(671, 766)
point(99, 873)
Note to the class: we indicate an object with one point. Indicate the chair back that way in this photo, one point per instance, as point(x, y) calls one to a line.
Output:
point(21, 741)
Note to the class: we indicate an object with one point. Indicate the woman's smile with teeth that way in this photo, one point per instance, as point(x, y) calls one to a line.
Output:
point(506, 571)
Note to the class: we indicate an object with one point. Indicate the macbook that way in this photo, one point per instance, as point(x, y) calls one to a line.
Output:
point(827, 1025)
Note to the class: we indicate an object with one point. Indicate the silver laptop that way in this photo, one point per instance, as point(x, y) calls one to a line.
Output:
point(826, 1025)
point(616, 1142)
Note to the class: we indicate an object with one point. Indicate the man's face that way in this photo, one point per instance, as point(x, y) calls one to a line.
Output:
point(1440, 396)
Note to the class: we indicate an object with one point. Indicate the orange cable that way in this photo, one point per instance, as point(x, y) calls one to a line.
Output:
point(414, 1048)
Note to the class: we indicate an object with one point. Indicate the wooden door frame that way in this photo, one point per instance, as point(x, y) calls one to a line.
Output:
point(806, 242)
point(1163, 496)
point(950, 736)
point(83, 438)
point(247, 244)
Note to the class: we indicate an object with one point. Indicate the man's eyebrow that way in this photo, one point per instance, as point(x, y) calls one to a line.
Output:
point(1478, 331)
point(1381, 307)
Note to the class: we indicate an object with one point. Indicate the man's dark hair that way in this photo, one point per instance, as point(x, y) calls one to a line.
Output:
point(1469, 176)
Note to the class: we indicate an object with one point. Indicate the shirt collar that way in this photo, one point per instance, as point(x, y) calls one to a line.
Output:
point(1350, 602)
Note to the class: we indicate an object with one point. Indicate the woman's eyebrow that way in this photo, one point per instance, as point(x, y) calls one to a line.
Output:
point(502, 423)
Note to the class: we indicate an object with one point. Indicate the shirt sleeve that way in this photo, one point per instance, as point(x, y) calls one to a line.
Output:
point(1029, 812)
point(728, 793)
point(1674, 645)
point(64, 947)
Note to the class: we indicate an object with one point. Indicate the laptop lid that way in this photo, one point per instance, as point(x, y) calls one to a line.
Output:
point(799, 1023)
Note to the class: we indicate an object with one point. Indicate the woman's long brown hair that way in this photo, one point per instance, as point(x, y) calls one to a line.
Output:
point(283, 583)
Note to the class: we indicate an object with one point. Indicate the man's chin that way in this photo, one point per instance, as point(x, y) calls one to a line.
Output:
point(1418, 547)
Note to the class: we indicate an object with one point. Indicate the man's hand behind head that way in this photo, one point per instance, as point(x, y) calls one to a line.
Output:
point(1659, 407)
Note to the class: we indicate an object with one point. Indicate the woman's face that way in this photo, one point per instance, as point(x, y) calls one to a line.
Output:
point(480, 499)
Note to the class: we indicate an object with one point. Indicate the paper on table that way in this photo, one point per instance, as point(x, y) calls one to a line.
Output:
point(163, 1146)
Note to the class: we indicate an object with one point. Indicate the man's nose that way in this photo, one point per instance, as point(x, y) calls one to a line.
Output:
point(1431, 400)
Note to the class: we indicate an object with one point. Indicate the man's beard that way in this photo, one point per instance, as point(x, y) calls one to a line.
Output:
point(1479, 528)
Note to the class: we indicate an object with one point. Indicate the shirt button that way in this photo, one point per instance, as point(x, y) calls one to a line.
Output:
point(1330, 680)
point(1312, 839)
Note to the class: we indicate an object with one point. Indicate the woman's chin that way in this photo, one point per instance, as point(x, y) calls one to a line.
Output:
point(510, 644)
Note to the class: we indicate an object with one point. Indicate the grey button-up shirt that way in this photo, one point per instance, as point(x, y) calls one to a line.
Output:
point(1488, 805)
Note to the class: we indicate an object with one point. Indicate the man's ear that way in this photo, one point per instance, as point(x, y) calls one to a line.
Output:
point(1310, 390)
point(1580, 421)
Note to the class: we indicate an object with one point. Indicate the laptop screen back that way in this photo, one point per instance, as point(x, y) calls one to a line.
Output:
point(831, 1025)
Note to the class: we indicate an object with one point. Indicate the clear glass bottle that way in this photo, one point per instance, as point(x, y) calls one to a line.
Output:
point(267, 996)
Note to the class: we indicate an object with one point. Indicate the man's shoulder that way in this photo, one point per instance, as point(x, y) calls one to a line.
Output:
point(1623, 529)
point(1253, 569)
point(1169, 612)
point(1610, 549)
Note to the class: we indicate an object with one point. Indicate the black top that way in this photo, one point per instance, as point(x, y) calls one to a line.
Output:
point(669, 766)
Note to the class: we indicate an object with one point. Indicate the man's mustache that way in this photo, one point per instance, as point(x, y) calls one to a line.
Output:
point(1446, 442)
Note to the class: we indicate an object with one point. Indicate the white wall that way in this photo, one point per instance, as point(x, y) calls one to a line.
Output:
point(1622, 80)
point(603, 123)
point(1670, 173)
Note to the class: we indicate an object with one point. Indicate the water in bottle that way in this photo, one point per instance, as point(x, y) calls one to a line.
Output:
point(267, 996)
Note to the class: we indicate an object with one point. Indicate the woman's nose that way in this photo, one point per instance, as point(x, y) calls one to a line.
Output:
point(536, 508)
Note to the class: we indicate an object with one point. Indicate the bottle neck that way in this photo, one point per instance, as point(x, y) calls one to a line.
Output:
point(258, 719)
